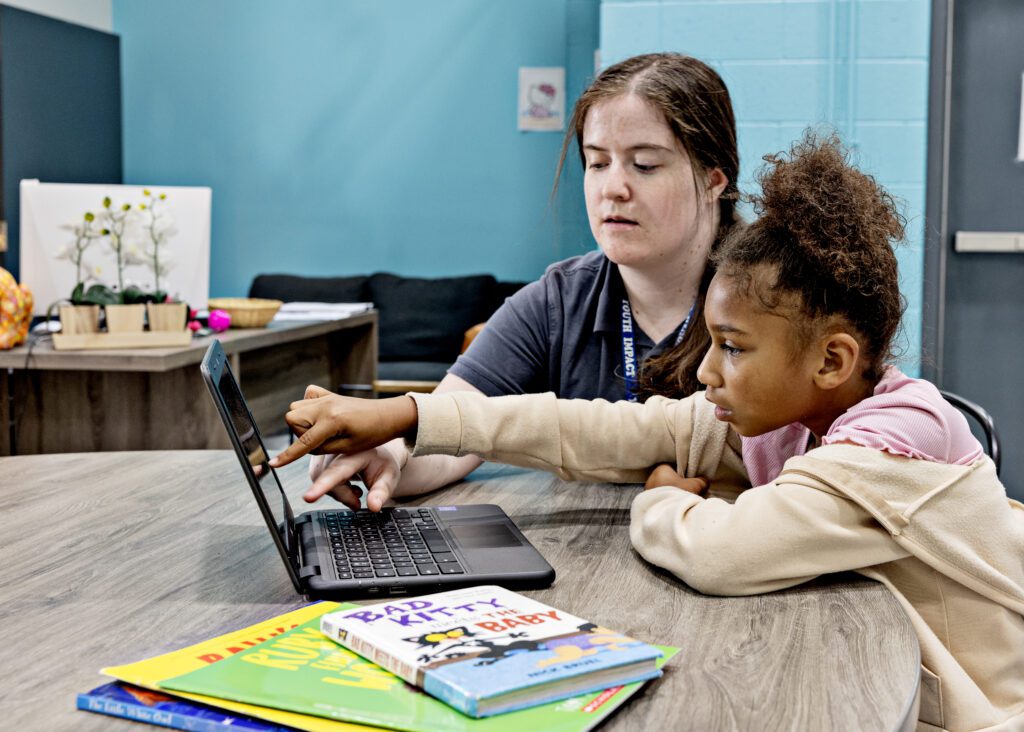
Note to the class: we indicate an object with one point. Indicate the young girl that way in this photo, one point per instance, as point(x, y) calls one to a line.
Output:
point(857, 466)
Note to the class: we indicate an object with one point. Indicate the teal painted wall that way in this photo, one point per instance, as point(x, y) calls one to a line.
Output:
point(860, 66)
point(345, 136)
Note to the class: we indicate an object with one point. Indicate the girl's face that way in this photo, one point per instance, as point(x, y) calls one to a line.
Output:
point(756, 373)
point(642, 201)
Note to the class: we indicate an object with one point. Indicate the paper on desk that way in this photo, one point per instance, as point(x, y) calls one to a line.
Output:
point(320, 310)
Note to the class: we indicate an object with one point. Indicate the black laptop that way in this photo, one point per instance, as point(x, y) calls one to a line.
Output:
point(343, 554)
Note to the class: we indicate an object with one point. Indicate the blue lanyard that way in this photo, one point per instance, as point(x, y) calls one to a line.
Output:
point(629, 363)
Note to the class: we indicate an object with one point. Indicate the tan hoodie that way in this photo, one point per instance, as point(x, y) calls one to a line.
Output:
point(944, 539)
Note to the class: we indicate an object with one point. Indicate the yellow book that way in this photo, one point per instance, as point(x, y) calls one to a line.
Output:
point(150, 672)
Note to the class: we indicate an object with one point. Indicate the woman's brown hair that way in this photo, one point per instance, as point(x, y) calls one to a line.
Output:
point(825, 231)
point(697, 108)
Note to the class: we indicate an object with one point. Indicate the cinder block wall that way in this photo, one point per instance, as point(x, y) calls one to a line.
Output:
point(860, 66)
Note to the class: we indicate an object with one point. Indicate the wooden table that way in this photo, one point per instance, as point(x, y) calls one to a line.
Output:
point(154, 398)
point(114, 557)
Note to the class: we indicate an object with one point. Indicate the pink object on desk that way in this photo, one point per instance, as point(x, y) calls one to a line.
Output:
point(219, 320)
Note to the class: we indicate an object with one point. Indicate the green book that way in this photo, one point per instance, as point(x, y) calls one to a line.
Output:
point(303, 671)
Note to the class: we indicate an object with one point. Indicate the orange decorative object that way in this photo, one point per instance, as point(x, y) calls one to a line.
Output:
point(15, 311)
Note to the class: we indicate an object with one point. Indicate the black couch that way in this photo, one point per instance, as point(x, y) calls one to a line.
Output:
point(422, 321)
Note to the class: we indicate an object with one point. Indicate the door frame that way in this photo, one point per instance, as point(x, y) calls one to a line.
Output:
point(936, 216)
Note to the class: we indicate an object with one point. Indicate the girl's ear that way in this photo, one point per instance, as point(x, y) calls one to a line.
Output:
point(840, 354)
point(717, 181)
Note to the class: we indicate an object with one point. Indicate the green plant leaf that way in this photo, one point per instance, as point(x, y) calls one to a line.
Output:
point(133, 295)
point(100, 295)
point(78, 293)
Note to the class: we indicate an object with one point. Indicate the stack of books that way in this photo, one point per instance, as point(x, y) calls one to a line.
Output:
point(497, 659)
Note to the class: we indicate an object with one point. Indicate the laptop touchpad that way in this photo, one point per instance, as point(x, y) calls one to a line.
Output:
point(484, 536)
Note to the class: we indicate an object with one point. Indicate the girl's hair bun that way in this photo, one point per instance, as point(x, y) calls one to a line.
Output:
point(838, 215)
point(826, 231)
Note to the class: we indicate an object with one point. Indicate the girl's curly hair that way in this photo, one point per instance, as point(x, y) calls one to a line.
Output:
point(826, 232)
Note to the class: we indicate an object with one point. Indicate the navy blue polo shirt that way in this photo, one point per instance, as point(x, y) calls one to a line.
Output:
point(562, 333)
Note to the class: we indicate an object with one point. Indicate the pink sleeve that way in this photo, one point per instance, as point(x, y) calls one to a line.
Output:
point(908, 417)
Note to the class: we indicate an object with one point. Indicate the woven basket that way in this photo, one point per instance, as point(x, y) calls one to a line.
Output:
point(246, 312)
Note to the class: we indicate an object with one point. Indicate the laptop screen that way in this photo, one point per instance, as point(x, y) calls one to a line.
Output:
point(261, 476)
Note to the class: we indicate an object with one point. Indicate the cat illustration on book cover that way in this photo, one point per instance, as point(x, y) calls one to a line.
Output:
point(459, 643)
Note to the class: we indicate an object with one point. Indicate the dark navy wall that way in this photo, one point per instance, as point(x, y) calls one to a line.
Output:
point(60, 109)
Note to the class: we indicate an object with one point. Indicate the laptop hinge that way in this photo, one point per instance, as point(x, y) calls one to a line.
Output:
point(307, 546)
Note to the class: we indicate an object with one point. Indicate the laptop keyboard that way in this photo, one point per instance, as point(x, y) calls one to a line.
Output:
point(397, 542)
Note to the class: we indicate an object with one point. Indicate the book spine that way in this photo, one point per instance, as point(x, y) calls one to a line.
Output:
point(451, 695)
point(142, 713)
point(367, 649)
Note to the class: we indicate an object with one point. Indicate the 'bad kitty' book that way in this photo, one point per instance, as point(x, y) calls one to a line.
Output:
point(487, 650)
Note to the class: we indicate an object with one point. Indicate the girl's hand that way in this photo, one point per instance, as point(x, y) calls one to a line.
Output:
point(327, 422)
point(666, 474)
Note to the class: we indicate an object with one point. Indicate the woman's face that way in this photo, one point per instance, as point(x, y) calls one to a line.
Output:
point(642, 201)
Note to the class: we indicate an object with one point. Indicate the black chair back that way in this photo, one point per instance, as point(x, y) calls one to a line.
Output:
point(984, 420)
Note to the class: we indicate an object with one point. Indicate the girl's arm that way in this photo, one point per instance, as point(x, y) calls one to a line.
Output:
point(618, 442)
point(775, 536)
point(577, 439)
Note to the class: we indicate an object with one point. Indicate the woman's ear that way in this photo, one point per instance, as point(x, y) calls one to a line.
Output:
point(840, 354)
point(717, 181)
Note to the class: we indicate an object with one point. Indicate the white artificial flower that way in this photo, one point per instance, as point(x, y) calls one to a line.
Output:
point(163, 227)
point(132, 255)
point(166, 265)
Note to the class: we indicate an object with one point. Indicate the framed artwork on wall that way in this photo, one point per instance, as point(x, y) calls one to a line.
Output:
point(541, 99)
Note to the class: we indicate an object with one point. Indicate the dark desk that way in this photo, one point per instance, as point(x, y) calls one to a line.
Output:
point(155, 399)
point(114, 557)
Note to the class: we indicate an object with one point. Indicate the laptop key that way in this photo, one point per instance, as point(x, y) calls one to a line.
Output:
point(406, 571)
point(424, 569)
point(435, 540)
point(385, 572)
point(362, 575)
point(445, 557)
point(450, 569)
point(424, 560)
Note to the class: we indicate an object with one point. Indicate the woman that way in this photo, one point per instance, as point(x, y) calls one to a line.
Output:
point(657, 138)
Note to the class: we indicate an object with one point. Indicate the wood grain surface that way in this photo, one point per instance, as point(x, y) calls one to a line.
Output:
point(109, 558)
point(236, 340)
point(155, 399)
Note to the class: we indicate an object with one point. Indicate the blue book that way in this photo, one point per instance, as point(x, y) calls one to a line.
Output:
point(487, 650)
point(132, 702)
